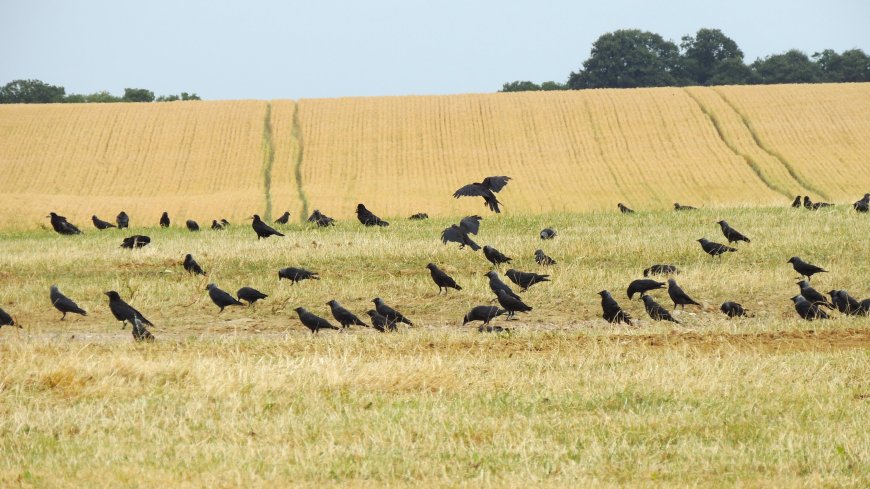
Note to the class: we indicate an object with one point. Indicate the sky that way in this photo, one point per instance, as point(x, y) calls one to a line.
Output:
point(327, 48)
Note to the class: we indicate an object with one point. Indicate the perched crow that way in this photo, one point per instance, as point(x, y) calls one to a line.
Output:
point(714, 249)
point(511, 304)
point(122, 311)
point(680, 297)
point(732, 234)
point(388, 312)
point(191, 265)
point(101, 224)
point(483, 313)
point(250, 295)
point(678, 207)
point(805, 269)
point(216, 226)
point(285, 217)
point(294, 275)
point(542, 259)
point(486, 189)
point(732, 309)
point(494, 256)
point(862, 205)
point(456, 234)
point(64, 304)
point(419, 216)
point(366, 217)
point(495, 284)
point(660, 270)
point(6, 319)
point(812, 295)
point(343, 316)
point(807, 310)
point(262, 229)
point(192, 225)
point(441, 279)
point(164, 220)
point(225, 223)
point(139, 331)
point(642, 286)
point(623, 209)
point(656, 311)
point(470, 224)
point(123, 220)
point(612, 312)
point(62, 226)
point(548, 233)
point(844, 302)
point(313, 322)
point(221, 298)
point(525, 279)
point(322, 220)
point(797, 202)
point(807, 202)
point(135, 241)
point(381, 323)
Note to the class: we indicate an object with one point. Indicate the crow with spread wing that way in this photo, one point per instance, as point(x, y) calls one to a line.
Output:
point(486, 189)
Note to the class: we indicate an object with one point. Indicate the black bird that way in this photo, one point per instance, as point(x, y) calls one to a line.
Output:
point(732, 234)
point(678, 207)
point(381, 323)
point(164, 220)
point(285, 217)
point(456, 234)
point(483, 313)
point(679, 296)
point(322, 220)
point(343, 316)
point(807, 310)
point(139, 331)
point(250, 295)
point(642, 286)
point(864, 307)
point(623, 209)
point(807, 202)
point(612, 312)
point(511, 304)
point(486, 189)
point(64, 304)
point(714, 249)
point(419, 216)
point(656, 311)
point(495, 284)
point(124, 312)
point(123, 220)
point(6, 319)
point(215, 225)
point(312, 321)
point(732, 309)
point(542, 259)
point(441, 279)
point(525, 279)
point(548, 233)
point(191, 265)
point(812, 295)
point(470, 224)
point(366, 217)
point(294, 275)
point(221, 298)
point(262, 229)
point(135, 241)
point(494, 256)
point(820, 205)
point(101, 224)
point(192, 225)
point(805, 269)
point(844, 302)
point(225, 223)
point(62, 226)
point(862, 205)
point(388, 312)
point(660, 270)
point(796, 203)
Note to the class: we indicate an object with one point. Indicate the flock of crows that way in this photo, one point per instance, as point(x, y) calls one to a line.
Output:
point(808, 303)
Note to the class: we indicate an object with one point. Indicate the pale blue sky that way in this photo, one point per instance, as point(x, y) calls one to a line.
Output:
point(328, 48)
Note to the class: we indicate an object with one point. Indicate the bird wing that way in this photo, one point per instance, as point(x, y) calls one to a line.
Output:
point(496, 183)
point(470, 224)
point(473, 190)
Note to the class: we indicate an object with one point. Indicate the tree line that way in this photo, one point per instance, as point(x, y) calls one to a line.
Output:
point(633, 58)
point(39, 92)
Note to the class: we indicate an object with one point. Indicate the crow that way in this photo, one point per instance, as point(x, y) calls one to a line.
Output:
point(122, 311)
point(486, 189)
point(542, 259)
point(192, 266)
point(101, 224)
point(441, 279)
point(250, 295)
point(680, 297)
point(862, 205)
point(381, 323)
point(807, 310)
point(732, 309)
point(294, 275)
point(623, 209)
point(192, 225)
point(494, 256)
point(864, 308)
point(796, 203)
point(262, 229)
point(812, 295)
point(322, 220)
point(470, 224)
point(548, 233)
point(511, 304)
point(805, 269)
point(164, 220)
point(656, 311)
point(62, 226)
point(732, 234)
point(660, 270)
point(64, 304)
point(456, 234)
point(221, 298)
point(6, 319)
point(495, 284)
point(388, 312)
point(123, 220)
point(225, 223)
point(612, 312)
point(482, 313)
point(313, 322)
point(642, 286)
point(807, 202)
point(135, 241)
point(367, 218)
point(139, 331)
point(678, 207)
point(419, 216)
point(285, 217)
point(216, 226)
point(714, 249)
point(525, 279)
point(343, 316)
point(844, 302)
point(820, 205)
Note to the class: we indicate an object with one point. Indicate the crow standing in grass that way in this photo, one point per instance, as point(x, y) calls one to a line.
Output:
point(512, 304)
point(457, 234)
point(494, 256)
point(495, 284)
point(441, 279)
point(807, 310)
point(64, 304)
point(486, 189)
point(526, 279)
point(312, 321)
point(262, 229)
point(321, 219)
point(164, 220)
point(714, 249)
point(807, 202)
point(367, 218)
point(122, 311)
point(62, 226)
point(862, 205)
point(796, 203)
point(250, 295)
point(656, 311)
point(542, 259)
point(6, 319)
point(101, 224)
point(642, 286)
point(844, 302)
point(731, 234)
point(191, 265)
point(680, 297)
point(612, 312)
point(216, 226)
point(343, 316)
point(623, 209)
point(483, 313)
point(294, 275)
point(192, 225)
point(221, 298)
point(420, 216)
point(660, 270)
point(285, 217)
point(225, 223)
point(135, 241)
point(381, 323)
point(805, 269)
point(732, 309)
point(820, 205)
point(123, 220)
point(388, 312)
point(548, 233)
point(678, 207)
point(812, 295)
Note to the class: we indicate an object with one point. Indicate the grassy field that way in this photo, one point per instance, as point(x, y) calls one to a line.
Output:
point(249, 397)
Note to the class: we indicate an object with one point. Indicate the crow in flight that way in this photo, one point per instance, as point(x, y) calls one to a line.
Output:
point(612, 312)
point(101, 224)
point(486, 189)
point(366, 217)
point(64, 304)
point(457, 234)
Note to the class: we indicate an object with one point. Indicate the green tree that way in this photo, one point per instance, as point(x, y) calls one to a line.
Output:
point(189, 96)
point(31, 92)
point(704, 54)
point(790, 67)
point(732, 71)
point(551, 85)
point(137, 95)
point(629, 59)
point(851, 66)
point(520, 86)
